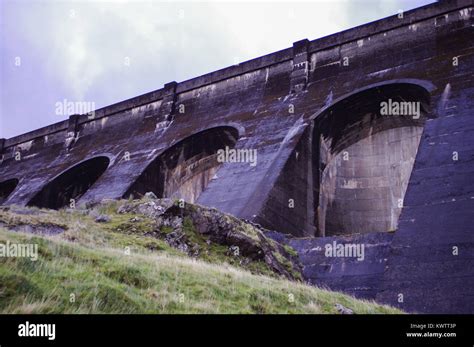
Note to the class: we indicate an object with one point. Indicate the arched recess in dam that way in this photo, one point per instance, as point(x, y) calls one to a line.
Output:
point(71, 184)
point(6, 188)
point(363, 158)
point(184, 170)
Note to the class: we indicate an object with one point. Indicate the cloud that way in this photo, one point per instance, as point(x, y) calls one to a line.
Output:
point(78, 50)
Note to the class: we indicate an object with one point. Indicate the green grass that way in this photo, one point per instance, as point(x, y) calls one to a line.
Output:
point(86, 270)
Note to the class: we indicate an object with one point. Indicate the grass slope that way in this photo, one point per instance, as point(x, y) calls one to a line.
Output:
point(87, 270)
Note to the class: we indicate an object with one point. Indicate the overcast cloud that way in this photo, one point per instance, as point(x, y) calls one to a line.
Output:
point(80, 50)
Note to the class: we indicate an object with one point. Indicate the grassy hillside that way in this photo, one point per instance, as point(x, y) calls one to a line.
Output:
point(121, 266)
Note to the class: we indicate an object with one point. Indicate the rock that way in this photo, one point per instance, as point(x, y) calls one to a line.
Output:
point(176, 223)
point(227, 230)
point(177, 239)
point(151, 195)
point(102, 219)
point(151, 208)
point(122, 209)
point(343, 310)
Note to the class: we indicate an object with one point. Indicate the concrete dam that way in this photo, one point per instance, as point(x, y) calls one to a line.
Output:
point(364, 139)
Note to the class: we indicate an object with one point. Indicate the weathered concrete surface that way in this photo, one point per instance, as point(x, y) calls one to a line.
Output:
point(359, 275)
point(362, 194)
point(277, 105)
point(185, 170)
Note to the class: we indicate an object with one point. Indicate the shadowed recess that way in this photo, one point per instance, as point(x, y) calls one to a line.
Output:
point(364, 158)
point(184, 170)
point(71, 184)
point(6, 188)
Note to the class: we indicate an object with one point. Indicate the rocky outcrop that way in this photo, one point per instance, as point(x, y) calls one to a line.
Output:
point(186, 226)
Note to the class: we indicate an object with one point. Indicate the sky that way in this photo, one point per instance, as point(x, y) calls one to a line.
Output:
point(54, 53)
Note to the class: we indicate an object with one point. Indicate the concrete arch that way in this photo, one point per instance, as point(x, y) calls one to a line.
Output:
point(364, 151)
point(335, 196)
point(71, 183)
point(425, 84)
point(186, 167)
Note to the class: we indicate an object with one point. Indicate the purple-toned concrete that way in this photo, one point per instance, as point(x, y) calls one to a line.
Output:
point(277, 105)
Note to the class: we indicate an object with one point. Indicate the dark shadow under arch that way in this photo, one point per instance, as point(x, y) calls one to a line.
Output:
point(185, 169)
point(71, 184)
